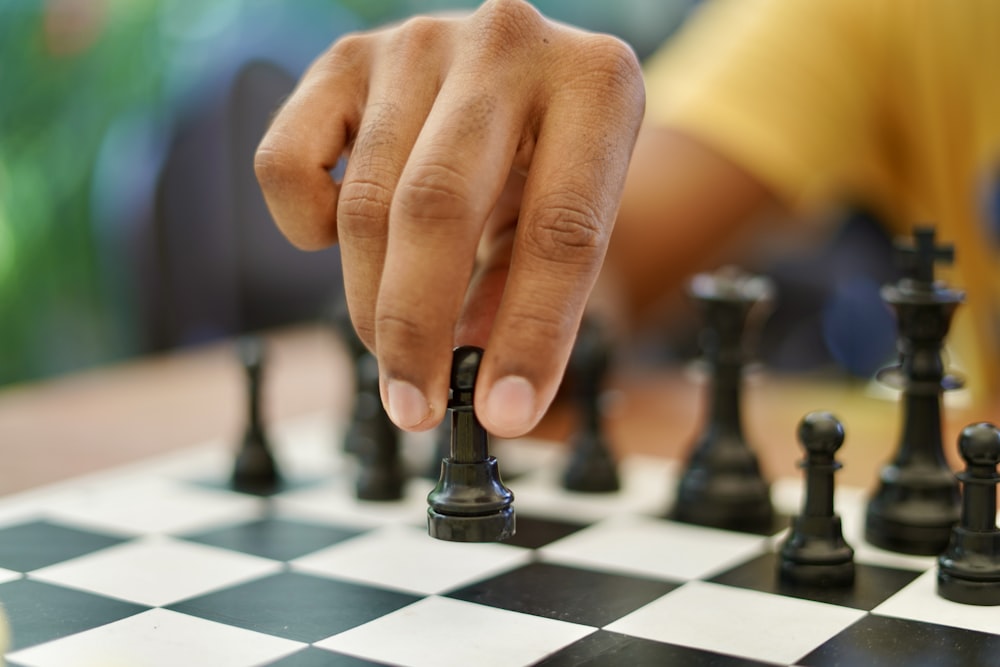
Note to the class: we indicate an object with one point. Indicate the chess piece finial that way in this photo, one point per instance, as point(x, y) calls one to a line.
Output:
point(918, 259)
point(815, 553)
point(254, 470)
point(470, 502)
point(969, 570)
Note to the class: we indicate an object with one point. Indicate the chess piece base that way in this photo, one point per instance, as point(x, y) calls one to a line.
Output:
point(914, 525)
point(968, 591)
point(470, 503)
point(731, 502)
point(816, 554)
point(969, 572)
point(491, 527)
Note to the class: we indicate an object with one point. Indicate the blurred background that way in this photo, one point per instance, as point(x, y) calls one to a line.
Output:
point(130, 219)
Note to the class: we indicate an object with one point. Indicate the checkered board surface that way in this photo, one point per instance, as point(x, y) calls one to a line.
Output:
point(159, 564)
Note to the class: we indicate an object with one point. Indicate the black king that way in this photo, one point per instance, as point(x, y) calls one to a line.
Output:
point(918, 501)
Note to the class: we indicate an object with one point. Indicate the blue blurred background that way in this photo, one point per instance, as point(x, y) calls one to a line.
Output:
point(130, 219)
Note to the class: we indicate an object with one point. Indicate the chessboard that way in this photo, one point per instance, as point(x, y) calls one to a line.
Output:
point(161, 563)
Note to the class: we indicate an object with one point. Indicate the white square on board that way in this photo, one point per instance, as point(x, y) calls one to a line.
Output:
point(654, 548)
point(737, 621)
point(405, 558)
point(160, 638)
point(919, 601)
point(440, 632)
point(157, 571)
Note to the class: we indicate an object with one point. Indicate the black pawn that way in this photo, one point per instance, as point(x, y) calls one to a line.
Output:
point(815, 553)
point(722, 485)
point(470, 502)
point(969, 571)
point(591, 466)
point(373, 438)
point(917, 501)
point(254, 470)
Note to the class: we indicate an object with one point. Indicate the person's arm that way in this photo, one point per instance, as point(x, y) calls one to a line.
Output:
point(685, 205)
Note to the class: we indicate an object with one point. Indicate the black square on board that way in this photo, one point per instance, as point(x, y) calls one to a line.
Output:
point(535, 533)
point(275, 538)
point(315, 657)
point(565, 593)
point(40, 612)
point(37, 544)
point(880, 641)
point(872, 586)
point(295, 606)
point(603, 648)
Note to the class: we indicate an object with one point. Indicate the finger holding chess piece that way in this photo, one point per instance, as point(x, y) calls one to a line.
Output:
point(815, 553)
point(470, 502)
point(969, 571)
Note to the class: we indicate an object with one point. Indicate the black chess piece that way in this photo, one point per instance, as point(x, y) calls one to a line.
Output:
point(969, 570)
point(470, 502)
point(353, 441)
point(917, 501)
point(254, 470)
point(370, 436)
point(592, 467)
point(722, 485)
point(374, 438)
point(815, 553)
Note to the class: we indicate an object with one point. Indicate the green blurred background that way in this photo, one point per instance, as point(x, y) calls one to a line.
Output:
point(129, 219)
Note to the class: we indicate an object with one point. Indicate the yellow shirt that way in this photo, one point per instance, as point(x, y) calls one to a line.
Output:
point(893, 103)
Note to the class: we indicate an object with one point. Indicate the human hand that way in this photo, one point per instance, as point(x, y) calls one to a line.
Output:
point(486, 156)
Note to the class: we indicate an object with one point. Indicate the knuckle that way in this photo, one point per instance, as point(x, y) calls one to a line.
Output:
point(609, 69)
point(399, 330)
point(512, 12)
point(365, 330)
point(567, 231)
point(416, 37)
point(540, 326)
point(363, 209)
point(346, 53)
point(280, 177)
point(273, 166)
point(507, 24)
point(617, 60)
point(434, 192)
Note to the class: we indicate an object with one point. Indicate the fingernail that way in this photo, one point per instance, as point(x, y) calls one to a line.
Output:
point(407, 405)
point(510, 405)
